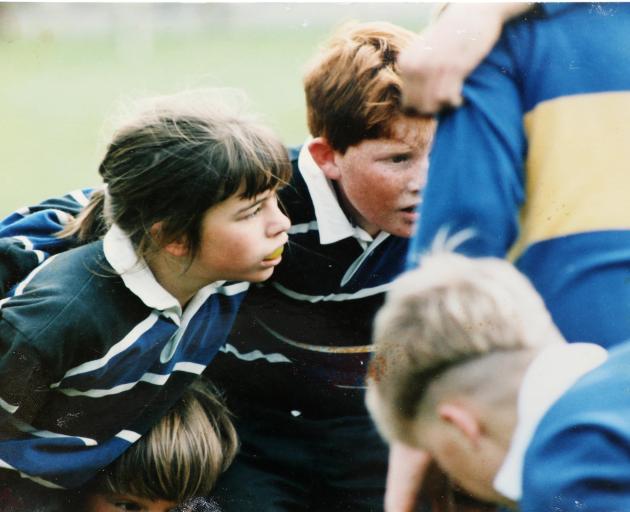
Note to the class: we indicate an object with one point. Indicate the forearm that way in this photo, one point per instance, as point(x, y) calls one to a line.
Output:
point(405, 474)
point(434, 67)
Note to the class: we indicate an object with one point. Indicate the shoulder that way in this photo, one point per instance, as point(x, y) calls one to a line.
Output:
point(71, 307)
point(15, 263)
point(587, 431)
point(69, 281)
point(68, 271)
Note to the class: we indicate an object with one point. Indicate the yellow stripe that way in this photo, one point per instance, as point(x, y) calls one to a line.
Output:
point(577, 168)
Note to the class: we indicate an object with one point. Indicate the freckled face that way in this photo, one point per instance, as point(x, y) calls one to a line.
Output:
point(380, 180)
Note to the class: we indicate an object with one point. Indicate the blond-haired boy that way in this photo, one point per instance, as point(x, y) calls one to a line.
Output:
point(470, 367)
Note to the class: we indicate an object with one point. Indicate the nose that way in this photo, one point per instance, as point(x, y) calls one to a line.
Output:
point(418, 178)
point(278, 223)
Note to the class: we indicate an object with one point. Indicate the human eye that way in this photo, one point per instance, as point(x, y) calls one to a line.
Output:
point(253, 211)
point(400, 158)
point(128, 506)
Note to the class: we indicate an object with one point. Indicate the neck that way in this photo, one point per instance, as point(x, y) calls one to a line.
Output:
point(171, 273)
point(352, 213)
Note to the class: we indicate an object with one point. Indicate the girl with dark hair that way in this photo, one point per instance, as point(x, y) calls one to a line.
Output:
point(99, 342)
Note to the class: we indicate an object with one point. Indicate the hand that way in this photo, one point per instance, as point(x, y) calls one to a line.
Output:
point(433, 68)
point(405, 474)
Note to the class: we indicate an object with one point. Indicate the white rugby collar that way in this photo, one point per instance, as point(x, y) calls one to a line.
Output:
point(548, 377)
point(135, 273)
point(332, 222)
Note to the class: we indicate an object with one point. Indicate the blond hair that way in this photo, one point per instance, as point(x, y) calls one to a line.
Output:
point(181, 456)
point(448, 313)
point(353, 87)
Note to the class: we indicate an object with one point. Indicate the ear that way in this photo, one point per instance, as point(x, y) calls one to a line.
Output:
point(177, 248)
point(325, 157)
point(462, 419)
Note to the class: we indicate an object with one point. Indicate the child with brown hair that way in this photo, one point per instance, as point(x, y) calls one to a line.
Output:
point(171, 468)
point(99, 342)
point(293, 367)
point(178, 460)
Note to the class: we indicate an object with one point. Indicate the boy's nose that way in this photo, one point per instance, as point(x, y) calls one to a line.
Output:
point(418, 179)
point(280, 223)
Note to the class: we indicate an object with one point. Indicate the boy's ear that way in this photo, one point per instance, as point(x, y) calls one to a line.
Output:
point(463, 419)
point(325, 157)
point(177, 248)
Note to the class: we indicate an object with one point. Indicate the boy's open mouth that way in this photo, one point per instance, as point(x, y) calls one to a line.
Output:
point(275, 254)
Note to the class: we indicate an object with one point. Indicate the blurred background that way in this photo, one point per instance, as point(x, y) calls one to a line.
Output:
point(66, 67)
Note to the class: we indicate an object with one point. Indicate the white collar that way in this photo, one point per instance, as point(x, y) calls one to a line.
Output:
point(548, 377)
point(332, 222)
point(136, 275)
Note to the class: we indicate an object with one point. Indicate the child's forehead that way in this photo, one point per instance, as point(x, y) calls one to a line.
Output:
point(410, 132)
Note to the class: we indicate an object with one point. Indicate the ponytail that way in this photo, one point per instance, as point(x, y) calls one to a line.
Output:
point(89, 225)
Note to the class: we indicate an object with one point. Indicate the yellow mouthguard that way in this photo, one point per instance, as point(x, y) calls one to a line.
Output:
point(275, 254)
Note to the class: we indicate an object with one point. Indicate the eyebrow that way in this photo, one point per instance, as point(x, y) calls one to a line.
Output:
point(396, 152)
point(253, 205)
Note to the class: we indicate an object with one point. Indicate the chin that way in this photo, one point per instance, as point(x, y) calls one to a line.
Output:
point(261, 275)
point(402, 231)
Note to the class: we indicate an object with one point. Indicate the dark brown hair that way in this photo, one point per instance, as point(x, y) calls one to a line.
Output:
point(172, 162)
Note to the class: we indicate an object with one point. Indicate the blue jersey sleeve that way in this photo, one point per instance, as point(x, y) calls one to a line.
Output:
point(580, 469)
point(15, 263)
point(476, 166)
point(29, 235)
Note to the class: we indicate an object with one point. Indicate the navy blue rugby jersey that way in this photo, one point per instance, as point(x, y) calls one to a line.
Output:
point(302, 340)
point(93, 352)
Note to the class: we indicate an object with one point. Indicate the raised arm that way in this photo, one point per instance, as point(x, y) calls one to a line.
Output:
point(29, 235)
point(405, 474)
point(435, 66)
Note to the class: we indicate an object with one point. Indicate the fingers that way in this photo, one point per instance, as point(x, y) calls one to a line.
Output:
point(439, 90)
point(434, 66)
point(405, 474)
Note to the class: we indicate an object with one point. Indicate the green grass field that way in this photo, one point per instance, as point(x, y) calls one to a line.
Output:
point(57, 92)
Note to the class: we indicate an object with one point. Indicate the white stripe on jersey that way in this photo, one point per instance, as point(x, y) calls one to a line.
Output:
point(128, 435)
point(29, 429)
point(303, 228)
point(38, 480)
point(157, 379)
point(41, 255)
point(233, 289)
point(28, 245)
point(335, 297)
point(20, 288)
point(188, 367)
point(329, 349)
point(152, 378)
point(8, 407)
point(254, 355)
point(116, 349)
point(62, 217)
point(80, 197)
